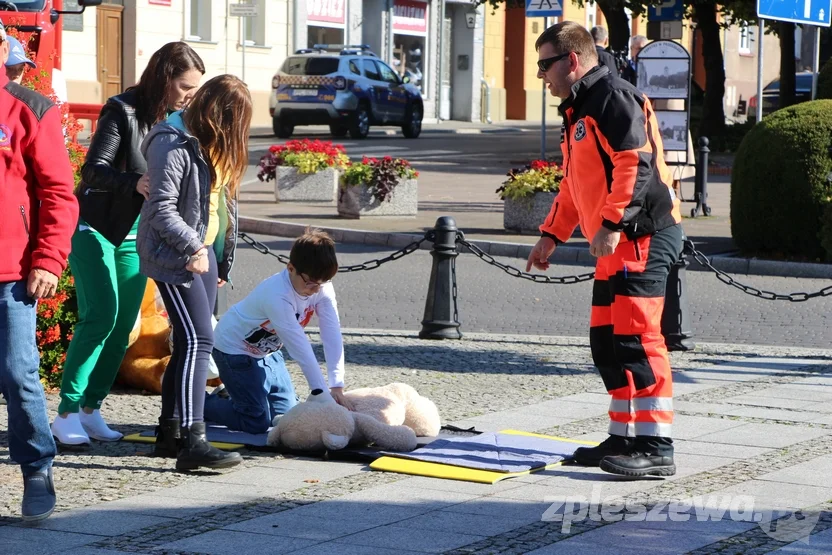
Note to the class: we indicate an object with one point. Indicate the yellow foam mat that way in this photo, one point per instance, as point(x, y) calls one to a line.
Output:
point(138, 438)
point(451, 472)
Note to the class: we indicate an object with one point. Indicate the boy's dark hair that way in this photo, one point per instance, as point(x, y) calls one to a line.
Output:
point(313, 254)
point(569, 36)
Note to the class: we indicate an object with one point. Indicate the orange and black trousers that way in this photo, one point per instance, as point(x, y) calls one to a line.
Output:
point(626, 337)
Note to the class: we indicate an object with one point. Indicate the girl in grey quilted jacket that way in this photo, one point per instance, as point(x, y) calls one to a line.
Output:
point(195, 162)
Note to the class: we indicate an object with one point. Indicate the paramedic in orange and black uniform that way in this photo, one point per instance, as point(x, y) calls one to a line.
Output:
point(617, 187)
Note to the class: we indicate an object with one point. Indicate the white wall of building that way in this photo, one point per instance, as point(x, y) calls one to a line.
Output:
point(146, 27)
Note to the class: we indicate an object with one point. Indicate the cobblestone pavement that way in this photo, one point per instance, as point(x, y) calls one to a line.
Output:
point(485, 378)
point(393, 297)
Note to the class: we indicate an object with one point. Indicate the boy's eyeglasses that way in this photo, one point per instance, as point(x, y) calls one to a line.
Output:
point(544, 64)
point(310, 283)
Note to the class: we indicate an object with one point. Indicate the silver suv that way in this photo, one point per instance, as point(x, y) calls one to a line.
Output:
point(345, 87)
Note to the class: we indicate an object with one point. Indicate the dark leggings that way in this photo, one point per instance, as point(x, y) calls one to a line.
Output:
point(189, 310)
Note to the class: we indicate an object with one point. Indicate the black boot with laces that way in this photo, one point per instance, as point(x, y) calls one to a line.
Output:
point(613, 445)
point(196, 452)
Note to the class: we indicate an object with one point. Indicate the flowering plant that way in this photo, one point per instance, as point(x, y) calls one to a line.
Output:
point(380, 176)
point(305, 155)
point(56, 320)
point(538, 177)
point(56, 317)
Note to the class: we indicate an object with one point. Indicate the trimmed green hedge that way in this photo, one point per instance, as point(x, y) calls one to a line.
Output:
point(779, 184)
point(825, 80)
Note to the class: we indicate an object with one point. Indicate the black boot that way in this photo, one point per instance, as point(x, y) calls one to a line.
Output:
point(613, 445)
point(197, 452)
point(638, 464)
point(167, 438)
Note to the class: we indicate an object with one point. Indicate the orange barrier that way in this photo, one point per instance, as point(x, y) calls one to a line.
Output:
point(86, 112)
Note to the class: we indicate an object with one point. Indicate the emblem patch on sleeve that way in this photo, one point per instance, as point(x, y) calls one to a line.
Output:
point(580, 130)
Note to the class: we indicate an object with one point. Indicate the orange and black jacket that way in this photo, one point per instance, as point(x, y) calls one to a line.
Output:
point(614, 170)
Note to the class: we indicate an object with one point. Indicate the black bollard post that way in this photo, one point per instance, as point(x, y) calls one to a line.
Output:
point(700, 194)
point(676, 316)
point(440, 320)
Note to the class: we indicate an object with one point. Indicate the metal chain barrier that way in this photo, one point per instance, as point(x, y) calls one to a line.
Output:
point(514, 272)
point(369, 265)
point(747, 289)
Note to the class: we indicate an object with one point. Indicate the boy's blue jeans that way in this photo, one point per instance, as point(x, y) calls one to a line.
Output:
point(30, 439)
point(260, 388)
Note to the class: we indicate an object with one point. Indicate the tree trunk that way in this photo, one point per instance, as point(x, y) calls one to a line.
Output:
point(787, 64)
point(617, 24)
point(713, 112)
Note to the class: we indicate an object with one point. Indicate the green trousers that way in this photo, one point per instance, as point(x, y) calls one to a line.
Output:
point(110, 290)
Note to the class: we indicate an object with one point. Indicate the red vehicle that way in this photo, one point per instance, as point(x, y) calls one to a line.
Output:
point(39, 28)
point(39, 21)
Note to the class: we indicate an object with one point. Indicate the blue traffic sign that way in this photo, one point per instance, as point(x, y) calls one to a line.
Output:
point(669, 10)
point(811, 12)
point(543, 8)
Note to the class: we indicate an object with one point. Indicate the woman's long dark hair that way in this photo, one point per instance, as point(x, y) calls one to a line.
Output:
point(152, 90)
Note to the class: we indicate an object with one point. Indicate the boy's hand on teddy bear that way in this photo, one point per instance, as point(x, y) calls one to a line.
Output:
point(340, 398)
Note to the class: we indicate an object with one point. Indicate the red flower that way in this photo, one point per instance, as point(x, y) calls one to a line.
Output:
point(53, 334)
point(69, 336)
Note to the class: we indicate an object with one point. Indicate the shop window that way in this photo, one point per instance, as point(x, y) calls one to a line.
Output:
point(409, 58)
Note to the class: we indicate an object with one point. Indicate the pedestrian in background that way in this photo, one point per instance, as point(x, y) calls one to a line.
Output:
point(104, 260)
point(37, 214)
point(617, 187)
point(17, 62)
point(605, 58)
point(186, 242)
point(630, 72)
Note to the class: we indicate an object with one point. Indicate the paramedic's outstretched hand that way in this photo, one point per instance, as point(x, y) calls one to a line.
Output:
point(338, 395)
point(539, 257)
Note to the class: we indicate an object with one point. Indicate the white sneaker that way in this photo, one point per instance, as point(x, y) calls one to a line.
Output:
point(69, 430)
point(97, 428)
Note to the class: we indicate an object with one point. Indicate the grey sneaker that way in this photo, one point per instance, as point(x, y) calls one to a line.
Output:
point(38, 496)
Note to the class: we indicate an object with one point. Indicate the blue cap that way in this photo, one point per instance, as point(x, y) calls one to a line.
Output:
point(16, 54)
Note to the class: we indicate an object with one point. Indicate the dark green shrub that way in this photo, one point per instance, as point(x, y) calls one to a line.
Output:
point(825, 80)
point(779, 182)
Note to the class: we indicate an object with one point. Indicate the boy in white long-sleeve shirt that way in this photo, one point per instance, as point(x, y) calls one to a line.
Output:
point(249, 336)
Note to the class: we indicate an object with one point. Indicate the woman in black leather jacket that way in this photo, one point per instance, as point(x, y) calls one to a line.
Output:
point(104, 261)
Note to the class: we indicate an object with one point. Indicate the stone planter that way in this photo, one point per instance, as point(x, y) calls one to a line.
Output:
point(357, 202)
point(291, 186)
point(525, 215)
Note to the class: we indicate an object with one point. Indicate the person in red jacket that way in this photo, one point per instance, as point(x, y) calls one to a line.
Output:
point(38, 212)
point(617, 187)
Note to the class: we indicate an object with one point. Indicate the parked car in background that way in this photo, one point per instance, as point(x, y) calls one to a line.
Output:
point(771, 93)
point(345, 87)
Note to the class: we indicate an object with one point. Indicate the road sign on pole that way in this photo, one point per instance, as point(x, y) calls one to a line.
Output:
point(811, 12)
point(543, 8)
point(669, 10)
point(243, 11)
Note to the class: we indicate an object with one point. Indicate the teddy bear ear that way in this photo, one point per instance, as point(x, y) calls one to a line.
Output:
point(333, 441)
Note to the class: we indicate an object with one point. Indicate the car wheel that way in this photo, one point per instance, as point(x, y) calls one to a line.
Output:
point(413, 122)
point(360, 125)
point(339, 130)
point(282, 130)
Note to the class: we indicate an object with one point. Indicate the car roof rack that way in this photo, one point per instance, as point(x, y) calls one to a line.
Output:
point(345, 49)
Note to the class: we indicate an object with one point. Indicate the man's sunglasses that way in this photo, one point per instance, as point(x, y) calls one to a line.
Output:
point(544, 64)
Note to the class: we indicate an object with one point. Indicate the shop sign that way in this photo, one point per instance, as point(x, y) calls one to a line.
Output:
point(326, 11)
point(410, 17)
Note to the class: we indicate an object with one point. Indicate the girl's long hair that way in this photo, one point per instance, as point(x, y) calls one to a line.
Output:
point(219, 116)
point(152, 91)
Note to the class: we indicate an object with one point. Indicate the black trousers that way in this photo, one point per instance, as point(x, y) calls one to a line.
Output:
point(189, 310)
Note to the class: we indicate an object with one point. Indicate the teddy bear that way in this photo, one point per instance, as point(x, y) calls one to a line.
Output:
point(390, 417)
point(148, 349)
point(149, 346)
